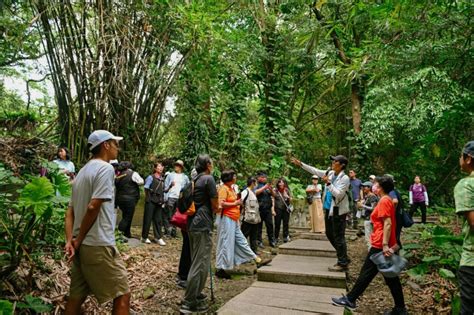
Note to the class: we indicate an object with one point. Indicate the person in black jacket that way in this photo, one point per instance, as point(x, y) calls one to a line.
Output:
point(154, 200)
point(127, 191)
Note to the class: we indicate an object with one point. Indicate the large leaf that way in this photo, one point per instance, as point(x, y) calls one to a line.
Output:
point(37, 195)
point(6, 307)
point(429, 259)
point(446, 273)
point(418, 271)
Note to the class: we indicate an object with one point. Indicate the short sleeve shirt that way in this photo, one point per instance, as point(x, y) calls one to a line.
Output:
point(464, 200)
point(204, 191)
point(384, 209)
point(148, 182)
point(356, 183)
point(65, 165)
point(264, 198)
point(95, 181)
point(227, 194)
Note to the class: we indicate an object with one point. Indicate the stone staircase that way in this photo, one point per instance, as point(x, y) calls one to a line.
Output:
point(296, 282)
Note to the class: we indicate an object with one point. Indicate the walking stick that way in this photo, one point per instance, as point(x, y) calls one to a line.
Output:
point(212, 285)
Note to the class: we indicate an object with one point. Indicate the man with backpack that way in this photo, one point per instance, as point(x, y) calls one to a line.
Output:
point(250, 213)
point(154, 199)
point(336, 205)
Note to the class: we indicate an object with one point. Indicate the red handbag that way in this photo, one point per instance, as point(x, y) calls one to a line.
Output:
point(180, 220)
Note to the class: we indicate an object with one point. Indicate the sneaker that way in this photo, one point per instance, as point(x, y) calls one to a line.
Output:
point(201, 297)
point(161, 242)
point(260, 245)
point(286, 239)
point(337, 268)
point(146, 241)
point(186, 309)
point(263, 262)
point(258, 260)
point(344, 301)
point(396, 311)
point(220, 273)
point(273, 244)
point(182, 284)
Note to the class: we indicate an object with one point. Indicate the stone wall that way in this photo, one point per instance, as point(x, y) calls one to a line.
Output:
point(300, 216)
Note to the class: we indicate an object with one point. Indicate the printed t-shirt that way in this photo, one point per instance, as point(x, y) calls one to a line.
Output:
point(95, 181)
point(227, 194)
point(384, 209)
point(418, 192)
point(179, 181)
point(464, 200)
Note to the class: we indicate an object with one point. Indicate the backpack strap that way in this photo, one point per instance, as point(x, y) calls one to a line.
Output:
point(245, 200)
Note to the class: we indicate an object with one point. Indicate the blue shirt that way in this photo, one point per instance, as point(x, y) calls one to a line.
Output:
point(148, 182)
point(356, 183)
point(327, 200)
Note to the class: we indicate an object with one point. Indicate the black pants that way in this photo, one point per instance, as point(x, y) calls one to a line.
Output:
point(367, 274)
point(170, 209)
point(414, 208)
point(250, 231)
point(267, 217)
point(153, 214)
point(185, 258)
point(282, 215)
point(128, 209)
point(466, 284)
point(335, 232)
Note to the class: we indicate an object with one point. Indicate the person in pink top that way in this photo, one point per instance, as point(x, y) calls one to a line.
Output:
point(418, 198)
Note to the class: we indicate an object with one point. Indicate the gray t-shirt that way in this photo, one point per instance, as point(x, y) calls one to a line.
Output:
point(95, 181)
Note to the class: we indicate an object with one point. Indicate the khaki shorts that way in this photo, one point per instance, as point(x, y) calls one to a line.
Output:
point(98, 270)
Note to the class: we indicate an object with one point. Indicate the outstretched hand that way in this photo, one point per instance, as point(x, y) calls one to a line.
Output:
point(295, 161)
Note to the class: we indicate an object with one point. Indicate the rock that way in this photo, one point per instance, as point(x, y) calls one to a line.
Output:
point(352, 237)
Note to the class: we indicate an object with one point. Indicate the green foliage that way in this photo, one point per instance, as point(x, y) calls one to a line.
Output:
point(35, 304)
point(6, 307)
point(33, 220)
point(436, 250)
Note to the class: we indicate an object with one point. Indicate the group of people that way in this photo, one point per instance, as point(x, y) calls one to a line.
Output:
point(98, 269)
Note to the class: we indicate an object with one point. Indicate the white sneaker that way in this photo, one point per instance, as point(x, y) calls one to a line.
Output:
point(161, 242)
point(146, 241)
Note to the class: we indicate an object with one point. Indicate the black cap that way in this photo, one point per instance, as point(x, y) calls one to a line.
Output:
point(469, 148)
point(340, 158)
point(261, 173)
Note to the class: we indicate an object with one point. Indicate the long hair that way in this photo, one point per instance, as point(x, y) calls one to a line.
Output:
point(68, 157)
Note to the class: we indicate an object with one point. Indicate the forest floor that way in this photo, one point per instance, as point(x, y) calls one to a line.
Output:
point(152, 273)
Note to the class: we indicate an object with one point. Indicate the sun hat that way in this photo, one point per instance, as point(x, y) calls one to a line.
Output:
point(179, 163)
point(372, 177)
point(99, 136)
point(367, 184)
point(314, 177)
point(391, 266)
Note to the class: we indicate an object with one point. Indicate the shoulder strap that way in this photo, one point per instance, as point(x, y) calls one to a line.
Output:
point(245, 199)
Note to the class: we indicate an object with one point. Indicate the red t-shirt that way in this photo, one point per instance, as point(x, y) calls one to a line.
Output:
point(384, 209)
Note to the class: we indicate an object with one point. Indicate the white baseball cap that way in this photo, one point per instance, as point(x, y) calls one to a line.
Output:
point(99, 136)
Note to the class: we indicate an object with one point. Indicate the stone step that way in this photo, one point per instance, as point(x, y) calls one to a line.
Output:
point(305, 270)
point(313, 236)
point(280, 298)
point(306, 247)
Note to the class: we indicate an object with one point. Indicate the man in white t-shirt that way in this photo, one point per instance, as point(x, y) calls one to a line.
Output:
point(174, 182)
point(90, 224)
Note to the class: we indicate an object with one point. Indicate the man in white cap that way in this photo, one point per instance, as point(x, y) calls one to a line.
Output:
point(174, 182)
point(90, 225)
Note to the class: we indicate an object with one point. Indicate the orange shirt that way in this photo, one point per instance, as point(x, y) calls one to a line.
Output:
point(384, 209)
point(227, 194)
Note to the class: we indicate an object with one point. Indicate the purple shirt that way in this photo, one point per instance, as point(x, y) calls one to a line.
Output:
point(418, 192)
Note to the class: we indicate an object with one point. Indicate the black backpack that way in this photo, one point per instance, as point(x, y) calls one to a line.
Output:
point(402, 217)
point(185, 197)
